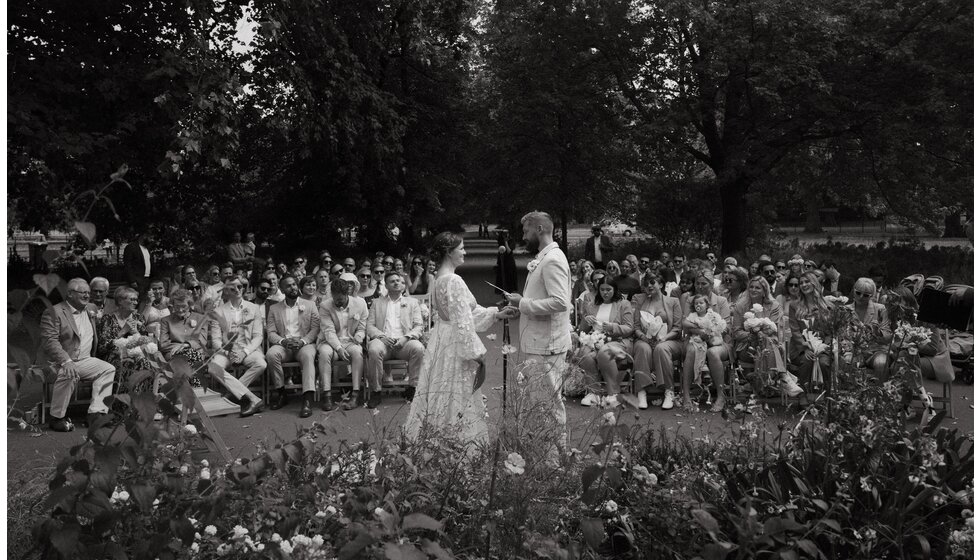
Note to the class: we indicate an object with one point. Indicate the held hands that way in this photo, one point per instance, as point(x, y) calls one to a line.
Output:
point(509, 312)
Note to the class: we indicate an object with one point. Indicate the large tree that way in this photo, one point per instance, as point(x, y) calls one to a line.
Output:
point(740, 85)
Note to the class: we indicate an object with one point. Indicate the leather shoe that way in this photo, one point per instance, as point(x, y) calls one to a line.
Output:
point(409, 393)
point(252, 408)
point(60, 424)
point(327, 403)
point(279, 401)
point(307, 409)
point(374, 399)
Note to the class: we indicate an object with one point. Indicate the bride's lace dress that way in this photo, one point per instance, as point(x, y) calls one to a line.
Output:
point(444, 398)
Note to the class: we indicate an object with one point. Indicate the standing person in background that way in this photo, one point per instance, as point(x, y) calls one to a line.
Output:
point(506, 269)
point(138, 264)
point(598, 248)
point(238, 252)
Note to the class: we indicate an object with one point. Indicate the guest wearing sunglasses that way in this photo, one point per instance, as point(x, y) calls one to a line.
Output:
point(791, 293)
point(365, 284)
point(349, 266)
point(875, 315)
point(389, 264)
point(419, 280)
point(262, 300)
point(299, 265)
point(326, 262)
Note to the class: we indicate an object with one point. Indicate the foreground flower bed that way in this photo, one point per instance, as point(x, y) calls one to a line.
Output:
point(848, 480)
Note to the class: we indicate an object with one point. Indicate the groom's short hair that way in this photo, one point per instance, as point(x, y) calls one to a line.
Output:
point(542, 219)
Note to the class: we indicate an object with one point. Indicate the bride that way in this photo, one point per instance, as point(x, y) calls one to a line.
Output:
point(445, 397)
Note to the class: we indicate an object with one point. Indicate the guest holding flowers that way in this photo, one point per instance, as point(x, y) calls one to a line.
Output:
point(706, 329)
point(875, 317)
point(122, 323)
point(809, 347)
point(756, 321)
point(657, 341)
point(611, 316)
point(715, 354)
point(155, 307)
point(183, 333)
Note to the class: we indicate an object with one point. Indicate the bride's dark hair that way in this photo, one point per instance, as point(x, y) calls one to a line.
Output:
point(442, 245)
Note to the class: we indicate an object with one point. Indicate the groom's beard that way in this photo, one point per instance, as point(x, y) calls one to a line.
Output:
point(533, 245)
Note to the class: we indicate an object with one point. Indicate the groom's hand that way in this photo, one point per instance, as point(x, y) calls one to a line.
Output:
point(514, 299)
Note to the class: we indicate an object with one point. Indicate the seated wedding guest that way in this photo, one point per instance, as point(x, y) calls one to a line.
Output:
point(400, 269)
point(810, 312)
point(769, 273)
point(734, 282)
point(343, 323)
point(875, 315)
point(307, 289)
point(292, 326)
point(791, 288)
point(419, 281)
point(685, 288)
point(613, 269)
point(654, 351)
point(262, 300)
point(753, 269)
point(238, 319)
point(644, 266)
point(184, 333)
point(213, 285)
point(634, 268)
point(613, 316)
point(123, 322)
point(349, 266)
point(99, 304)
point(590, 293)
point(767, 346)
point(238, 253)
point(430, 267)
point(714, 354)
point(378, 279)
point(188, 274)
point(394, 327)
point(627, 282)
point(325, 262)
point(335, 271)
point(365, 285)
point(155, 307)
point(299, 266)
point(388, 263)
point(276, 295)
point(323, 279)
point(582, 280)
point(678, 266)
point(352, 283)
point(69, 339)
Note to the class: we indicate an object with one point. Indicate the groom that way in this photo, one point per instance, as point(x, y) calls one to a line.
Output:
point(544, 327)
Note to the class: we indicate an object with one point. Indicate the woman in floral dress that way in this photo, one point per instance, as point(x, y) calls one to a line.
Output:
point(122, 323)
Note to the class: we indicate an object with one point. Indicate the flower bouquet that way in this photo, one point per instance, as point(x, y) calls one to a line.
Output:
point(758, 325)
point(136, 346)
point(592, 340)
point(816, 346)
point(653, 326)
point(909, 336)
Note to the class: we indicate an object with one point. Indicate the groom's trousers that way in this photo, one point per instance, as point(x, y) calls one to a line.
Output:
point(545, 388)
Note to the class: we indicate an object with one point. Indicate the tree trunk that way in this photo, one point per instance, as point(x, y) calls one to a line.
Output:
point(813, 215)
point(734, 215)
point(953, 228)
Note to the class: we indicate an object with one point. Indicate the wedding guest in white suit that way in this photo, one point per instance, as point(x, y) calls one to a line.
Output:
point(544, 327)
point(393, 329)
point(237, 317)
point(343, 321)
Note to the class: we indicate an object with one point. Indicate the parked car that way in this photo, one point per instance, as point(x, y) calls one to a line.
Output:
point(619, 228)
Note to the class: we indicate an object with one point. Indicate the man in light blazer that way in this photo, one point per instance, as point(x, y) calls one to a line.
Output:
point(236, 337)
point(343, 321)
point(69, 338)
point(544, 328)
point(393, 329)
point(292, 326)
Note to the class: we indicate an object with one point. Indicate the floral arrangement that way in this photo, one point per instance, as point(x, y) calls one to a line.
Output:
point(594, 339)
point(816, 346)
point(713, 325)
point(756, 324)
point(653, 326)
point(136, 346)
point(836, 300)
point(910, 336)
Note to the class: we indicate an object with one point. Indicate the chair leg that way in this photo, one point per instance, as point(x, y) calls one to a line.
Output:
point(948, 399)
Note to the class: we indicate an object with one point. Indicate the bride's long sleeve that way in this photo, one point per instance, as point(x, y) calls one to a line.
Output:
point(467, 320)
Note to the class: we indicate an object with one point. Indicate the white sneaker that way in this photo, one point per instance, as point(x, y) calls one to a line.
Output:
point(789, 386)
point(668, 400)
point(590, 399)
point(642, 397)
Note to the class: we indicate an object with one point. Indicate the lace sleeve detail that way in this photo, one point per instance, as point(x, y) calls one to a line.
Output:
point(461, 316)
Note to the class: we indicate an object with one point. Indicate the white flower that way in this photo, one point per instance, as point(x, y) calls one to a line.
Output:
point(285, 547)
point(321, 469)
point(379, 512)
point(191, 429)
point(609, 418)
point(610, 507)
point(532, 265)
point(331, 510)
point(184, 469)
point(136, 352)
point(193, 323)
point(195, 547)
point(211, 530)
point(757, 309)
point(205, 474)
point(317, 541)
point(321, 514)
point(507, 349)
point(204, 463)
point(276, 537)
point(491, 336)
point(150, 348)
point(123, 496)
point(239, 532)
point(514, 463)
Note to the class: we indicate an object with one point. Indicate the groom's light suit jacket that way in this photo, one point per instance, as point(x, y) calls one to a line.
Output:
point(545, 328)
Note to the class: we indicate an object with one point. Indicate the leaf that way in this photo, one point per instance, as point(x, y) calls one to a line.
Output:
point(614, 476)
point(47, 282)
point(354, 547)
point(144, 496)
point(594, 532)
point(403, 552)
point(433, 548)
point(923, 545)
point(706, 520)
point(809, 548)
point(120, 173)
point(183, 529)
point(87, 230)
point(66, 539)
point(420, 521)
point(481, 376)
point(589, 475)
point(716, 551)
point(789, 555)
